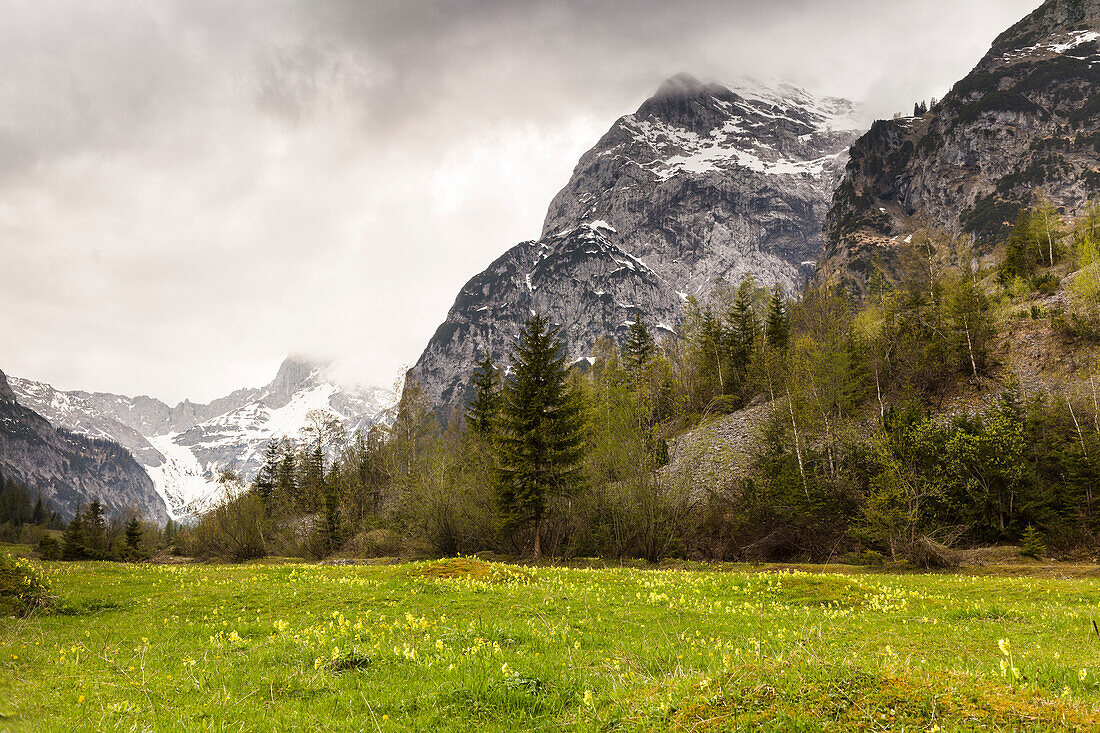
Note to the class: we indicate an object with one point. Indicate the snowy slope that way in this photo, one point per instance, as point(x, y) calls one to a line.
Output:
point(183, 456)
point(702, 181)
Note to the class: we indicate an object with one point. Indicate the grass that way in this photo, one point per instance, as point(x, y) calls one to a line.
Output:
point(470, 645)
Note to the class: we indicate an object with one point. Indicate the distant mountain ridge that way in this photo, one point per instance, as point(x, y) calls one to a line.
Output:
point(1026, 117)
point(71, 469)
point(701, 182)
point(182, 448)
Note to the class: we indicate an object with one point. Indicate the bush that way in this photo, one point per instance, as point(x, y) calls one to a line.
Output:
point(22, 588)
point(1045, 284)
point(375, 543)
point(49, 548)
point(233, 530)
point(1033, 545)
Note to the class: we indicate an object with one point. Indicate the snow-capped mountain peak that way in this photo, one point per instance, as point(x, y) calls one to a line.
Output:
point(183, 449)
point(701, 181)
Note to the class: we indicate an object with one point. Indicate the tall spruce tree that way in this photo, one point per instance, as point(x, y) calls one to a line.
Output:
point(73, 539)
point(542, 439)
point(744, 327)
point(482, 411)
point(639, 347)
point(96, 541)
point(286, 477)
point(777, 325)
point(133, 535)
point(268, 475)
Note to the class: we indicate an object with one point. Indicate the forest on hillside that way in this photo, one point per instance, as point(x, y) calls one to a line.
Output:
point(886, 428)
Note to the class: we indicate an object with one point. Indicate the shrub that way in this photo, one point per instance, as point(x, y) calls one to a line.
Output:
point(1032, 545)
point(1045, 284)
point(234, 530)
point(22, 588)
point(49, 548)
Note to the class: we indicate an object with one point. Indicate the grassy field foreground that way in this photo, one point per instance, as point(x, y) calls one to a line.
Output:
point(463, 644)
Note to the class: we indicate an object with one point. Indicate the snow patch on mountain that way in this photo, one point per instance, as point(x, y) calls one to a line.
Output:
point(186, 486)
point(184, 457)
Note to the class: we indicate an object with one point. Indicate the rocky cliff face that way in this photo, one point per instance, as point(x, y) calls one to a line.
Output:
point(1026, 117)
point(183, 448)
point(71, 469)
point(701, 182)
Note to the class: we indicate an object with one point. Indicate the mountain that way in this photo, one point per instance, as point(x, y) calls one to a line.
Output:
point(68, 468)
point(183, 448)
point(701, 182)
point(1027, 116)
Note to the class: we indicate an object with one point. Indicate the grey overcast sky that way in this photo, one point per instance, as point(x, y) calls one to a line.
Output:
point(192, 189)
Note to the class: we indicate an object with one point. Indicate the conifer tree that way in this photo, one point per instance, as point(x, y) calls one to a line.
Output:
point(972, 329)
point(286, 486)
point(73, 539)
point(542, 437)
point(744, 327)
point(331, 530)
point(95, 532)
point(268, 475)
point(482, 411)
point(133, 533)
point(639, 347)
point(777, 324)
point(312, 484)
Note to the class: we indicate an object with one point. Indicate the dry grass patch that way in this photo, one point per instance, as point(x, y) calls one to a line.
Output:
point(847, 699)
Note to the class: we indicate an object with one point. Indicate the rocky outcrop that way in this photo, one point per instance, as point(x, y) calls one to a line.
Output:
point(715, 455)
point(702, 182)
point(1026, 117)
point(71, 469)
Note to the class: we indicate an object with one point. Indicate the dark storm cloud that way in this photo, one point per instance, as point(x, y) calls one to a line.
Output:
point(190, 189)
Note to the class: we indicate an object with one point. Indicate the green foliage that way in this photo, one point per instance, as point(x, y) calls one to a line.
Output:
point(853, 456)
point(639, 347)
point(1032, 544)
point(233, 530)
point(1034, 241)
point(991, 218)
point(86, 536)
point(23, 589)
point(542, 439)
point(49, 548)
point(998, 101)
point(482, 412)
point(23, 509)
point(776, 325)
point(971, 328)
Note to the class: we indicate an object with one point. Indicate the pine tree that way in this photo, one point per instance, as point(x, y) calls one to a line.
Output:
point(542, 437)
point(777, 325)
point(171, 529)
point(331, 530)
point(482, 412)
point(73, 540)
point(744, 328)
point(268, 475)
point(39, 516)
point(96, 542)
point(312, 484)
point(286, 485)
point(133, 534)
point(639, 347)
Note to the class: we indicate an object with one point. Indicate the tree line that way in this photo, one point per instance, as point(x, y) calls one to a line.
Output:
point(886, 428)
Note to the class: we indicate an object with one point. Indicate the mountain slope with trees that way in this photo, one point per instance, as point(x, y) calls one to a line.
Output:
point(1026, 118)
point(701, 182)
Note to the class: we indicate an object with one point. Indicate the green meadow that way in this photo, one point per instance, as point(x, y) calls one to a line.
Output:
point(464, 644)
